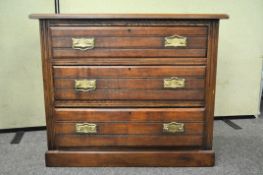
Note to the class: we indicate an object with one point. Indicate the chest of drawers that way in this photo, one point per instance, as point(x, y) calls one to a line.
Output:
point(129, 90)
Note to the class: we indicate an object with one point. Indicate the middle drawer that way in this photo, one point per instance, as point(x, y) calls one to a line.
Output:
point(129, 83)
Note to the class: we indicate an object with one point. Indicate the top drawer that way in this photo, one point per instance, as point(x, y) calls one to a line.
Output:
point(128, 42)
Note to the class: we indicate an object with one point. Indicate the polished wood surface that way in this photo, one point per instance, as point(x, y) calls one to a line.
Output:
point(129, 16)
point(127, 71)
point(131, 83)
point(139, 42)
point(131, 61)
point(129, 127)
point(113, 128)
point(64, 53)
point(138, 84)
point(131, 158)
point(76, 141)
point(129, 41)
point(130, 104)
point(128, 31)
point(129, 114)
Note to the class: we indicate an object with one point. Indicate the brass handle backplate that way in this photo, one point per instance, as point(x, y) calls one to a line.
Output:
point(173, 127)
point(85, 85)
point(175, 41)
point(86, 128)
point(83, 43)
point(174, 82)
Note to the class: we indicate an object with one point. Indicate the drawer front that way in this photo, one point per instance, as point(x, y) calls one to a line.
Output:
point(125, 128)
point(75, 141)
point(129, 82)
point(129, 127)
point(129, 114)
point(127, 42)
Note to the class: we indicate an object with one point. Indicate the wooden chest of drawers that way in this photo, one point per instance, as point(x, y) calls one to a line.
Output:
point(129, 90)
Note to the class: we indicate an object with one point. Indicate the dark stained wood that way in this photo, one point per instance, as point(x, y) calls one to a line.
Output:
point(138, 83)
point(130, 128)
point(130, 114)
point(117, 89)
point(128, 31)
point(111, 41)
point(211, 82)
point(130, 61)
point(130, 158)
point(129, 105)
point(131, 42)
point(127, 71)
point(122, 94)
point(129, 16)
point(63, 141)
point(128, 53)
point(47, 82)
point(130, 23)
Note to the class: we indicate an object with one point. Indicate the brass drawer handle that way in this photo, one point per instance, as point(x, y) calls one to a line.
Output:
point(173, 127)
point(175, 41)
point(85, 85)
point(86, 128)
point(83, 43)
point(174, 82)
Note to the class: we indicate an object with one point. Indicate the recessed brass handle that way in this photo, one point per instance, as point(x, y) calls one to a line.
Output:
point(173, 127)
point(85, 85)
point(175, 41)
point(83, 43)
point(174, 82)
point(86, 128)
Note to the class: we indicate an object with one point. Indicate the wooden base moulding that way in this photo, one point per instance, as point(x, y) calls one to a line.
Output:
point(130, 158)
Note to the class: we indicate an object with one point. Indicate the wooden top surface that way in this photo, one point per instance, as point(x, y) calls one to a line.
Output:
point(128, 16)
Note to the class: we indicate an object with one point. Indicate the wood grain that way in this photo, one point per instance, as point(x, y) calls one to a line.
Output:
point(131, 128)
point(131, 42)
point(122, 94)
point(63, 141)
point(128, 31)
point(127, 71)
point(129, 114)
point(138, 83)
point(130, 61)
point(129, 16)
point(47, 81)
point(128, 53)
point(116, 88)
point(129, 103)
point(130, 158)
point(211, 83)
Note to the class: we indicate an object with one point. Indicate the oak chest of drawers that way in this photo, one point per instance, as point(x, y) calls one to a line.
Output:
point(129, 90)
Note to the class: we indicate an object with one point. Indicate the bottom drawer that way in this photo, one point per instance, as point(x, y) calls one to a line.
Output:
point(129, 127)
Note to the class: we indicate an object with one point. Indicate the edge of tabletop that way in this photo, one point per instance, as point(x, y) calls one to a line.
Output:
point(128, 16)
